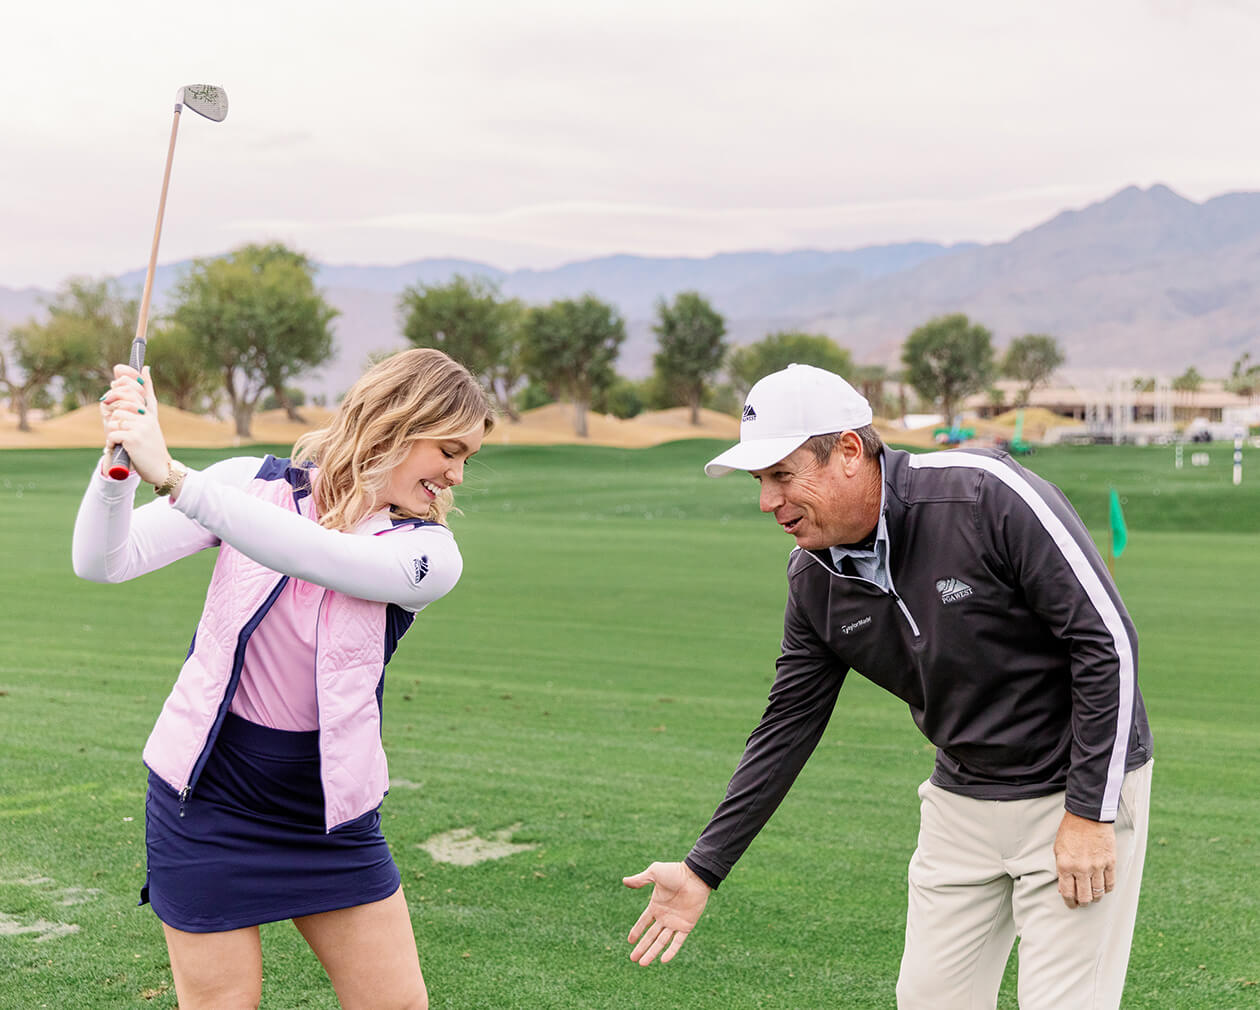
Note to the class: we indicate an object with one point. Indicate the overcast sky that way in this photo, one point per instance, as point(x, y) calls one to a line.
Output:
point(536, 132)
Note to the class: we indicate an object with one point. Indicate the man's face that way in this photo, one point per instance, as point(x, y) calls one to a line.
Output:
point(819, 504)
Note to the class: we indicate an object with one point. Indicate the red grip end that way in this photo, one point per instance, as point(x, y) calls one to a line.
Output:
point(119, 472)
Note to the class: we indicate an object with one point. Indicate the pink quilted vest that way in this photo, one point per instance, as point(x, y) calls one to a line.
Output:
point(350, 659)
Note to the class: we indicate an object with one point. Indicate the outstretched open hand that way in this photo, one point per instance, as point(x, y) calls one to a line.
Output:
point(678, 899)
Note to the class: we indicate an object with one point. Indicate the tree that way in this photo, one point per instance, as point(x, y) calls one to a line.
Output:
point(89, 329)
point(1143, 384)
point(294, 394)
point(91, 325)
point(947, 359)
point(1188, 381)
point(570, 346)
point(870, 381)
point(776, 351)
point(1244, 377)
point(689, 334)
point(623, 398)
point(1031, 360)
point(470, 321)
point(258, 317)
point(184, 376)
point(533, 395)
point(508, 373)
point(95, 324)
point(37, 362)
point(278, 370)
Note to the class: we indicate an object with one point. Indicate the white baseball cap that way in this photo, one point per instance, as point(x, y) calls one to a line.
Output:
point(785, 409)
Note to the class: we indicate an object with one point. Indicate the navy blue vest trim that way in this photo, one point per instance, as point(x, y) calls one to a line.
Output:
point(397, 621)
point(297, 477)
point(414, 522)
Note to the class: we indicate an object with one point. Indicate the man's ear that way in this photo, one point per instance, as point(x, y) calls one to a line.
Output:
point(851, 455)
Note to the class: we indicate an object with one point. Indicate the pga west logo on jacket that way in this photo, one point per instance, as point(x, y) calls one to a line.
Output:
point(953, 590)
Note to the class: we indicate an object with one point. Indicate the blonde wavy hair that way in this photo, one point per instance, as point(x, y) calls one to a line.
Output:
point(415, 394)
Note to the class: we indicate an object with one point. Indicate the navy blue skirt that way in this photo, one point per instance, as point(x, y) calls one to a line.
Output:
point(250, 846)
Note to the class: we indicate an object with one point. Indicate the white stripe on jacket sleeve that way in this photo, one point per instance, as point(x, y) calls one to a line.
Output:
point(1094, 591)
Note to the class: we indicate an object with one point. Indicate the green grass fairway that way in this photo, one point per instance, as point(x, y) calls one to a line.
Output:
point(588, 688)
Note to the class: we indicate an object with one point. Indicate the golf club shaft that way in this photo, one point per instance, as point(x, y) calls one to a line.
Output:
point(120, 462)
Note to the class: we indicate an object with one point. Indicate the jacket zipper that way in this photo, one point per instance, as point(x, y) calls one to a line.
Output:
point(914, 628)
point(890, 591)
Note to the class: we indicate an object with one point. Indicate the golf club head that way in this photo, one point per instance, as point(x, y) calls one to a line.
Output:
point(207, 100)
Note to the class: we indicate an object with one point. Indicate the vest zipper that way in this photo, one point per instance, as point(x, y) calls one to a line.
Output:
point(238, 664)
point(319, 613)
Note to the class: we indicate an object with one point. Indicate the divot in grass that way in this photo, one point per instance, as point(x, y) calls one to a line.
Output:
point(461, 847)
point(66, 896)
point(78, 895)
point(44, 930)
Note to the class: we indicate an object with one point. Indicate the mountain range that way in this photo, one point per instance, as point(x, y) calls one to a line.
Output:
point(1145, 280)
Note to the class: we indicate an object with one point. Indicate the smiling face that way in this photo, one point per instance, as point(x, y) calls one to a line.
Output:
point(430, 467)
point(823, 504)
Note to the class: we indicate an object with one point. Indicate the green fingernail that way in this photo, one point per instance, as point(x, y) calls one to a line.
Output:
point(139, 410)
point(140, 379)
point(103, 395)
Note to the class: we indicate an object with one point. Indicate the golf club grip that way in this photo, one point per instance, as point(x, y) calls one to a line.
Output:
point(120, 462)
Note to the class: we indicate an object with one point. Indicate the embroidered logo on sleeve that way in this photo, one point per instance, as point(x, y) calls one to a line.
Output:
point(422, 567)
point(953, 590)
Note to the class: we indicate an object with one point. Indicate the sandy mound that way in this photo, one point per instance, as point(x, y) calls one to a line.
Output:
point(1037, 421)
point(553, 425)
point(986, 433)
point(712, 424)
point(275, 426)
point(82, 428)
point(549, 425)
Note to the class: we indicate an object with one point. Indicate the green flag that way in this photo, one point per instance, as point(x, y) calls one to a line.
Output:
point(1119, 535)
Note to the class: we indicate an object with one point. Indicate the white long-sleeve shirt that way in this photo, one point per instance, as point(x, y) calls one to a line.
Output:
point(412, 567)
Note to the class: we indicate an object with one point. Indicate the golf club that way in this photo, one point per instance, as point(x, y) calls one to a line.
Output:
point(210, 101)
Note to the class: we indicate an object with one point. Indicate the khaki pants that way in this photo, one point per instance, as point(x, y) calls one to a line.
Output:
point(983, 874)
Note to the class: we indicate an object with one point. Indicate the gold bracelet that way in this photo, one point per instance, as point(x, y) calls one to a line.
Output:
point(175, 473)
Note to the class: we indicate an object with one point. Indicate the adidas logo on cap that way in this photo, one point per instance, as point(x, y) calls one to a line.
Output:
point(793, 404)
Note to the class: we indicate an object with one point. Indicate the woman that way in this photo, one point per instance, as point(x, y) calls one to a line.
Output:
point(266, 770)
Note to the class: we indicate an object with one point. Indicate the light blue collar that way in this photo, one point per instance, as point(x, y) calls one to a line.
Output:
point(871, 564)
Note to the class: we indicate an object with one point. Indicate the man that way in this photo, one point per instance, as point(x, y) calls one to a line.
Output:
point(968, 587)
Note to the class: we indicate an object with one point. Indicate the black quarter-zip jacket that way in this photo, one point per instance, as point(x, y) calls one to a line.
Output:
point(1002, 631)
